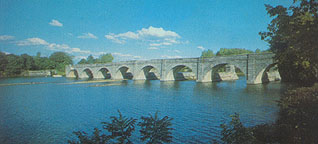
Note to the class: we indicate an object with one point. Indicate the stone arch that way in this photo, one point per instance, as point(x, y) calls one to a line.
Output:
point(103, 73)
point(174, 74)
point(72, 73)
point(264, 75)
point(124, 72)
point(148, 72)
point(87, 73)
point(210, 73)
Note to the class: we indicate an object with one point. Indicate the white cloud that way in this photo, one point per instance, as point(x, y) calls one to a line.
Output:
point(56, 23)
point(125, 56)
point(177, 51)
point(170, 57)
point(153, 48)
point(32, 41)
point(157, 32)
point(114, 38)
point(151, 34)
point(6, 37)
point(7, 53)
point(87, 36)
point(201, 47)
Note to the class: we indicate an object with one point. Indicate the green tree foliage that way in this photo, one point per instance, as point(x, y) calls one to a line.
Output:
point(155, 130)
point(82, 61)
point(14, 65)
point(28, 62)
point(298, 116)
point(292, 35)
point(61, 59)
point(236, 133)
point(207, 54)
point(232, 51)
point(84, 138)
point(104, 58)
point(120, 128)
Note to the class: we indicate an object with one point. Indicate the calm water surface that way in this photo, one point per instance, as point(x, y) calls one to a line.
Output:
point(50, 112)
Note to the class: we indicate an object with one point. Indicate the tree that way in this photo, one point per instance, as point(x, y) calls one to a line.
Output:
point(15, 65)
point(28, 62)
point(105, 58)
point(82, 61)
point(207, 54)
point(257, 51)
point(232, 51)
point(60, 60)
point(155, 130)
point(235, 132)
point(120, 128)
point(84, 138)
point(3, 63)
point(90, 59)
point(292, 35)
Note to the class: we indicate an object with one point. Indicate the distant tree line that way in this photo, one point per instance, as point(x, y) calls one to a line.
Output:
point(14, 65)
point(229, 51)
point(104, 58)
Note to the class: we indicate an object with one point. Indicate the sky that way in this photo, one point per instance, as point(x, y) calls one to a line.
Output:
point(132, 29)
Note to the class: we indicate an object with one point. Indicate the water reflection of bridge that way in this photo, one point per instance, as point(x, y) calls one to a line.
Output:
point(255, 67)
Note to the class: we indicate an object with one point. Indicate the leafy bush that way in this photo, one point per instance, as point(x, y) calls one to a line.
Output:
point(155, 130)
point(235, 132)
point(299, 115)
point(120, 128)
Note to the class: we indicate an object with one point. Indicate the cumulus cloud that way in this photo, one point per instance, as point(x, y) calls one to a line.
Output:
point(87, 36)
point(152, 34)
point(201, 47)
point(114, 38)
point(51, 46)
point(125, 56)
point(177, 51)
point(170, 57)
point(6, 37)
point(56, 23)
point(32, 41)
point(153, 48)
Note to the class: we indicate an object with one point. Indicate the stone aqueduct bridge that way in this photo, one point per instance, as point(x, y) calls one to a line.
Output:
point(254, 66)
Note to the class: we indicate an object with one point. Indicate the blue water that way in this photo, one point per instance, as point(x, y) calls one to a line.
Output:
point(50, 112)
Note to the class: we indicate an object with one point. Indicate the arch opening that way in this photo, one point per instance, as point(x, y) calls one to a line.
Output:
point(223, 72)
point(73, 74)
point(104, 73)
point(125, 73)
point(181, 73)
point(269, 74)
point(149, 73)
point(87, 73)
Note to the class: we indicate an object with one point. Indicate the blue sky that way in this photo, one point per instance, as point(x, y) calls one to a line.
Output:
point(132, 29)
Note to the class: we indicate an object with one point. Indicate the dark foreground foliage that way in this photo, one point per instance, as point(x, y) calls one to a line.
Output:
point(153, 130)
point(293, 37)
point(297, 122)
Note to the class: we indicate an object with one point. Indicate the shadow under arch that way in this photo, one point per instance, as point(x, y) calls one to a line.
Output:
point(124, 73)
point(87, 73)
point(180, 73)
point(268, 74)
point(223, 72)
point(103, 73)
point(73, 74)
point(148, 73)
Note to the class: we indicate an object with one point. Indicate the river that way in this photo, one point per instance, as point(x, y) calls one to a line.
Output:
point(49, 112)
